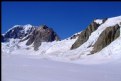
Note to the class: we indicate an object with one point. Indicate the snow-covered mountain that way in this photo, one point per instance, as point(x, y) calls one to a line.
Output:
point(32, 34)
point(101, 38)
point(18, 32)
point(95, 50)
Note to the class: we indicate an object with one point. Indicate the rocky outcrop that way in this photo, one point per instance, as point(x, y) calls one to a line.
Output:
point(84, 35)
point(106, 37)
point(34, 35)
point(42, 34)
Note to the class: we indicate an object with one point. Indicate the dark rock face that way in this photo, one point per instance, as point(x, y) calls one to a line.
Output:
point(41, 34)
point(84, 35)
point(106, 37)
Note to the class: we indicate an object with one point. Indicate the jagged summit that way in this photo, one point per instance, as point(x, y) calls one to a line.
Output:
point(22, 31)
point(19, 31)
point(101, 37)
point(33, 35)
point(42, 34)
point(43, 26)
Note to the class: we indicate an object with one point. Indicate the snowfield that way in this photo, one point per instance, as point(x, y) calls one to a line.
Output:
point(20, 64)
point(32, 68)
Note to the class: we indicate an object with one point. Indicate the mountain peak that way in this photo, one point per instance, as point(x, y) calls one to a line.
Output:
point(43, 27)
point(99, 35)
point(19, 31)
point(42, 34)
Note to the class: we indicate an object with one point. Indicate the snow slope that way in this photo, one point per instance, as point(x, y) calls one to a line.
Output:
point(29, 68)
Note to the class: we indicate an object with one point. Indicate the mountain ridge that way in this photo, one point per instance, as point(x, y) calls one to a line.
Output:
point(63, 48)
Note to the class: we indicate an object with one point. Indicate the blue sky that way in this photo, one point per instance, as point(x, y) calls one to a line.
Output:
point(66, 18)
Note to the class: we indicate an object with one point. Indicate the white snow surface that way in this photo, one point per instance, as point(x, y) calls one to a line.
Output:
point(99, 21)
point(32, 68)
point(54, 61)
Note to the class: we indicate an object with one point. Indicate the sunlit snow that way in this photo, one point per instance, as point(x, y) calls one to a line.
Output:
point(54, 61)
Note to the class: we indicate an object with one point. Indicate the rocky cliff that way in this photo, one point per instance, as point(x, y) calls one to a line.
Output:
point(99, 34)
point(42, 34)
point(84, 35)
point(106, 37)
